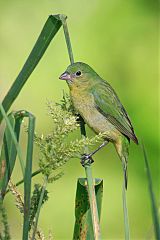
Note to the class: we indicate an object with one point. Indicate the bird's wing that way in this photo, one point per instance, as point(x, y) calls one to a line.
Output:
point(108, 104)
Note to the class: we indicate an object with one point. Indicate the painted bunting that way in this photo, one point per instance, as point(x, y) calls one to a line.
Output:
point(98, 104)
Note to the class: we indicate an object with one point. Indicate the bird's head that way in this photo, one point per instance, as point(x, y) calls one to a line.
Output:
point(78, 74)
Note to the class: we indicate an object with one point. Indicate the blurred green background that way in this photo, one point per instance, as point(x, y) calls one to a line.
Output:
point(119, 39)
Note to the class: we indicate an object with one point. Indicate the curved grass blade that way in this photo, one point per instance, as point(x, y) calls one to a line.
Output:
point(152, 197)
point(8, 153)
point(49, 30)
point(10, 149)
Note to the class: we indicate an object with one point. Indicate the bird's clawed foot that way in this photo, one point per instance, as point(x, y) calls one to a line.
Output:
point(86, 159)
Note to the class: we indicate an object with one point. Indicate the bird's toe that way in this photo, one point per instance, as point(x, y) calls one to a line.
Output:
point(86, 159)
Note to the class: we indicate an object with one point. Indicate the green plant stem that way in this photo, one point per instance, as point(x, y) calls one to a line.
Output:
point(33, 174)
point(67, 38)
point(39, 208)
point(93, 203)
point(14, 138)
point(125, 212)
point(91, 189)
point(28, 174)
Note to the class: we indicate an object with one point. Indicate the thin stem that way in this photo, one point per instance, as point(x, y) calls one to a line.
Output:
point(28, 174)
point(68, 42)
point(91, 189)
point(13, 138)
point(93, 203)
point(22, 180)
point(39, 208)
point(125, 212)
point(33, 174)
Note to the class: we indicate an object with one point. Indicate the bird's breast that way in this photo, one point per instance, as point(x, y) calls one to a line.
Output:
point(85, 106)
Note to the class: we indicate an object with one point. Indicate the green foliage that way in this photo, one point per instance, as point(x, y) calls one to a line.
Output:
point(56, 148)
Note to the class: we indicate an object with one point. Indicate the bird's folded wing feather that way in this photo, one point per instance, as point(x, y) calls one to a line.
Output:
point(108, 103)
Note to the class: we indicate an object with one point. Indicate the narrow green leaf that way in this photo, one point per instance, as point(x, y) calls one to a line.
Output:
point(152, 197)
point(83, 223)
point(10, 149)
point(8, 153)
point(28, 174)
point(49, 30)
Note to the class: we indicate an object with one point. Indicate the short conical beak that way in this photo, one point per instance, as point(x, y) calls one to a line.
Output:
point(65, 76)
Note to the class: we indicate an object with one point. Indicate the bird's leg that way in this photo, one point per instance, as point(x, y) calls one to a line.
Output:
point(87, 158)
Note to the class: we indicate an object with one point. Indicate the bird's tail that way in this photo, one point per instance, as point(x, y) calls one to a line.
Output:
point(122, 147)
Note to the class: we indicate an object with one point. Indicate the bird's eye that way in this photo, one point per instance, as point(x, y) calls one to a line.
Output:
point(78, 73)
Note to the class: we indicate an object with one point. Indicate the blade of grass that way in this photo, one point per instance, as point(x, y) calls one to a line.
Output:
point(152, 197)
point(49, 30)
point(8, 152)
point(28, 174)
point(18, 149)
point(91, 189)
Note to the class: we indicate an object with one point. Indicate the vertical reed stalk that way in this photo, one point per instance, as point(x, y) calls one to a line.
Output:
point(88, 171)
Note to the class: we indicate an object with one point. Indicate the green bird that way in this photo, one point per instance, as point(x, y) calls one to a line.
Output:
point(98, 104)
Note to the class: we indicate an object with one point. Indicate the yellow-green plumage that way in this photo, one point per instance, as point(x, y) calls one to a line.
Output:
point(100, 107)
